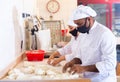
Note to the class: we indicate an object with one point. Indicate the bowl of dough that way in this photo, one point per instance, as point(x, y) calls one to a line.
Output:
point(35, 55)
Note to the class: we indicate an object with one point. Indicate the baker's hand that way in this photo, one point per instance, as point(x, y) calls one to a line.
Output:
point(71, 64)
point(67, 65)
point(77, 68)
point(52, 56)
point(50, 59)
point(57, 60)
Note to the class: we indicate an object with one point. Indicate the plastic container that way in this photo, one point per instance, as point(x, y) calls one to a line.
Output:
point(35, 55)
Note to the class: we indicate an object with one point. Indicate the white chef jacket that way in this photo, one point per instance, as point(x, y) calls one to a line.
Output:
point(69, 50)
point(99, 48)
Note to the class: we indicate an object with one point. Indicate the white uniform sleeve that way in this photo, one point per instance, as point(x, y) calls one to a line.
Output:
point(69, 57)
point(108, 50)
point(66, 49)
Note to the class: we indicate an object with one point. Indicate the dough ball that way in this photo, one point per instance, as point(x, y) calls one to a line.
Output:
point(51, 72)
point(27, 63)
point(14, 71)
point(28, 70)
point(12, 76)
point(74, 76)
point(39, 71)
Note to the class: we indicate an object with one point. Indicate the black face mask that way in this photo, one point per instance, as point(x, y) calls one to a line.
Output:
point(84, 29)
point(74, 32)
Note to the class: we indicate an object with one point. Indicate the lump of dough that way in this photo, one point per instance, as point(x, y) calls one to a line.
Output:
point(12, 76)
point(40, 71)
point(27, 63)
point(14, 71)
point(50, 72)
point(28, 70)
point(74, 76)
point(21, 76)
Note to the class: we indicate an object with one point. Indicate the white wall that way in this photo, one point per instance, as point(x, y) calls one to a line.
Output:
point(18, 28)
point(7, 38)
point(10, 31)
point(29, 6)
point(38, 7)
point(66, 8)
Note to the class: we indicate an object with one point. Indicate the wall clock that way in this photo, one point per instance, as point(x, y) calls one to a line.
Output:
point(53, 6)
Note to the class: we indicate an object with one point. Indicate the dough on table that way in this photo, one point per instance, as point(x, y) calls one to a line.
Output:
point(28, 70)
point(40, 71)
point(31, 72)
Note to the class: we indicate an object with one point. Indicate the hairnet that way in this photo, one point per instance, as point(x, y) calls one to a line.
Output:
point(83, 12)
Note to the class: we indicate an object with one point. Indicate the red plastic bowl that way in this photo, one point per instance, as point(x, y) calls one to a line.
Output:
point(35, 55)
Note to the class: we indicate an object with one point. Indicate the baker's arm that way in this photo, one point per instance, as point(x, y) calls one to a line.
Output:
point(71, 64)
point(52, 56)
